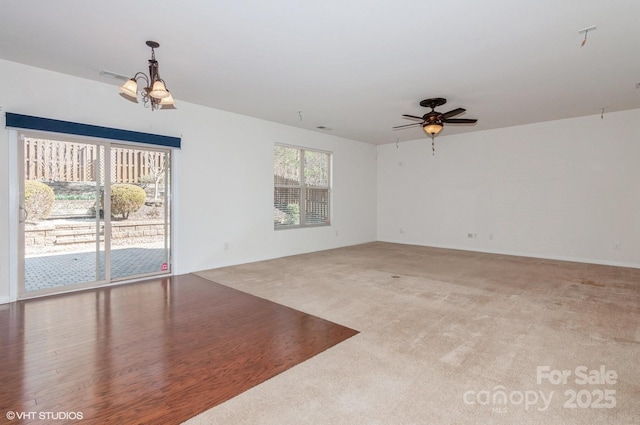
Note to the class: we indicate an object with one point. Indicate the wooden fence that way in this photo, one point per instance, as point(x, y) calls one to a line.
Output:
point(53, 160)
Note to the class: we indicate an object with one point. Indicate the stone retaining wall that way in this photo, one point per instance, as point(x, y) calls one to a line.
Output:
point(49, 234)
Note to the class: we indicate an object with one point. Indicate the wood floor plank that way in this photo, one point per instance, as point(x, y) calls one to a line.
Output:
point(159, 351)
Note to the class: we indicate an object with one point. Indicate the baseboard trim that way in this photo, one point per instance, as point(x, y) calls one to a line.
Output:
point(525, 254)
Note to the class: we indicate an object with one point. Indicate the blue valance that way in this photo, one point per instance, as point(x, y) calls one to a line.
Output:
point(46, 124)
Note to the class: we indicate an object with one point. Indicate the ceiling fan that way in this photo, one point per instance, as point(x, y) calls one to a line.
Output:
point(433, 122)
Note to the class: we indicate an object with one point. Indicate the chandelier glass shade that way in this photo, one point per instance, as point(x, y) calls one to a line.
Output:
point(130, 88)
point(154, 94)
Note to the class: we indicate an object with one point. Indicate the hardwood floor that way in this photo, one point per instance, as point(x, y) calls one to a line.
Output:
point(158, 352)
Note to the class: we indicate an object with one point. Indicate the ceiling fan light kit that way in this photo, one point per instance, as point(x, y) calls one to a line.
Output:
point(155, 93)
point(432, 129)
point(433, 122)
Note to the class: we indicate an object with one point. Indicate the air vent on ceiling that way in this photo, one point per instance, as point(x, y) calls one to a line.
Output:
point(113, 75)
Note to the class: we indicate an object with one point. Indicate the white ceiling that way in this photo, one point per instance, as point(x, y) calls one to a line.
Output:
point(354, 66)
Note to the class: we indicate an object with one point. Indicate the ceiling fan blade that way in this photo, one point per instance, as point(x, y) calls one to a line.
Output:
point(460, 121)
point(453, 113)
point(414, 117)
point(407, 125)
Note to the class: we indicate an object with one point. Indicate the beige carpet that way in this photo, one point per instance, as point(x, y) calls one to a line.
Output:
point(448, 337)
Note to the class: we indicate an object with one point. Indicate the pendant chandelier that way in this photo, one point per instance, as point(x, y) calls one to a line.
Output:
point(155, 93)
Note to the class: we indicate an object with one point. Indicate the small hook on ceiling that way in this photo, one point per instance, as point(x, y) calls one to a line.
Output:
point(585, 31)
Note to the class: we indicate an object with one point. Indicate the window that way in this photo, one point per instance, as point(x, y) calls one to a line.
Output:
point(301, 179)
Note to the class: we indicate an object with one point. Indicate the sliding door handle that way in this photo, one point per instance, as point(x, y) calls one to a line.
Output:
point(22, 214)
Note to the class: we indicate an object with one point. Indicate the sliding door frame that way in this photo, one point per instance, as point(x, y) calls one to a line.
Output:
point(17, 289)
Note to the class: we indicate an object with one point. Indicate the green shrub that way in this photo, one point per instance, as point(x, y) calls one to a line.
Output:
point(126, 199)
point(293, 214)
point(38, 200)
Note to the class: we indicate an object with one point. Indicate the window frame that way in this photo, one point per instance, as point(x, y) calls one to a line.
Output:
point(302, 187)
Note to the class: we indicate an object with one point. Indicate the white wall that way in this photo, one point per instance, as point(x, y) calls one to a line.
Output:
point(567, 189)
point(223, 174)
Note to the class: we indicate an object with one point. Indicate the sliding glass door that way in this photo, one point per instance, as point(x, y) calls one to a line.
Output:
point(139, 237)
point(91, 212)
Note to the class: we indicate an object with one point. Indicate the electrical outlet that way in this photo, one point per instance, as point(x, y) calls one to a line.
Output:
point(616, 245)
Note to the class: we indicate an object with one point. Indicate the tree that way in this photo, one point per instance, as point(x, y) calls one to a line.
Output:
point(157, 164)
